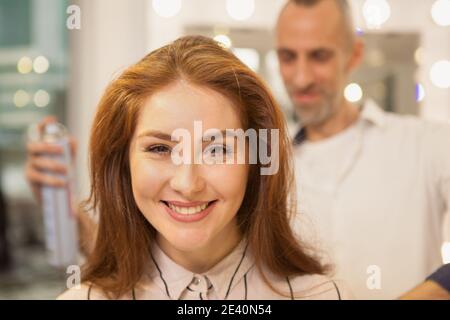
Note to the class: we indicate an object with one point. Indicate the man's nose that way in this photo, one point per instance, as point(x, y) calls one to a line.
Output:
point(187, 181)
point(303, 76)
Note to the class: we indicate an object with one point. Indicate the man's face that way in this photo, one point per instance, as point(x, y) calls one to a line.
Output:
point(313, 53)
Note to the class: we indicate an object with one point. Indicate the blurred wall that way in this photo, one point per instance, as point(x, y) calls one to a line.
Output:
point(112, 36)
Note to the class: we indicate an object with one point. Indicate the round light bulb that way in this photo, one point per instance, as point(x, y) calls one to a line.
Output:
point(353, 92)
point(41, 98)
point(440, 12)
point(376, 13)
point(224, 40)
point(21, 98)
point(240, 9)
point(41, 64)
point(166, 8)
point(25, 65)
point(440, 74)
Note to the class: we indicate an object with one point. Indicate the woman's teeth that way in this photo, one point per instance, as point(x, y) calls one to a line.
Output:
point(188, 210)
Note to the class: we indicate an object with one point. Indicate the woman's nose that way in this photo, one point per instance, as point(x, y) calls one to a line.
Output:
point(186, 180)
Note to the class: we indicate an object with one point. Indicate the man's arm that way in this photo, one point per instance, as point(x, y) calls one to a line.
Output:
point(437, 151)
point(436, 287)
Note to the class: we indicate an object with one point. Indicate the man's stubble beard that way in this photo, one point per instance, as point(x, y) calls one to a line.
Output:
point(318, 113)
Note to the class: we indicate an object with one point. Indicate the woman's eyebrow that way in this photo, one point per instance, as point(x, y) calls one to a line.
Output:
point(156, 134)
point(165, 136)
point(223, 133)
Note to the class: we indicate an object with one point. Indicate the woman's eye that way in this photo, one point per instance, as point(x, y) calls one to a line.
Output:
point(218, 150)
point(158, 149)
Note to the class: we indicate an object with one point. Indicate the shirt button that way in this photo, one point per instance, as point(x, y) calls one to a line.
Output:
point(196, 281)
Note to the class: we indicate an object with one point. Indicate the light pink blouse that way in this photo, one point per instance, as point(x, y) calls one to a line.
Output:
point(235, 277)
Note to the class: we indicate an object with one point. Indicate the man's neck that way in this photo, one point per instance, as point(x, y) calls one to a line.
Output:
point(346, 116)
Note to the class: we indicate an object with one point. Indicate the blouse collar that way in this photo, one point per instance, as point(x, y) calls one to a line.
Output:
point(224, 276)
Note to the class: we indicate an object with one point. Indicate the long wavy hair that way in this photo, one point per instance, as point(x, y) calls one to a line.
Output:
point(124, 236)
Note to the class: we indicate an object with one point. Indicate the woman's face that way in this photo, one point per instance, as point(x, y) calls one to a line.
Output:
point(192, 206)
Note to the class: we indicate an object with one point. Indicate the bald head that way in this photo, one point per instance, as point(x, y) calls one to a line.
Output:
point(346, 22)
point(317, 50)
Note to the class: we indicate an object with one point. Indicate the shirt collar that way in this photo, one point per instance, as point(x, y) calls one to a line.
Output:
point(223, 276)
point(370, 112)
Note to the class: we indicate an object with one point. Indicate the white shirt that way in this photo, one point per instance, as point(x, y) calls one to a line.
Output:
point(234, 278)
point(377, 194)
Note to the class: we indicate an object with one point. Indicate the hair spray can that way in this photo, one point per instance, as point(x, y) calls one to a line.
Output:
point(59, 219)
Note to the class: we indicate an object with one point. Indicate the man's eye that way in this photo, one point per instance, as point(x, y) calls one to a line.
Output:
point(322, 55)
point(285, 56)
point(158, 149)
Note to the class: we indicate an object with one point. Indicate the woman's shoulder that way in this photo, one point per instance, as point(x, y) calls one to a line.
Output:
point(300, 287)
point(84, 291)
point(319, 287)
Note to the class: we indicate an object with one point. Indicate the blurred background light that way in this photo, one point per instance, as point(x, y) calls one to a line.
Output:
point(359, 32)
point(418, 55)
point(248, 56)
point(41, 64)
point(440, 12)
point(224, 40)
point(353, 92)
point(25, 65)
point(420, 92)
point(166, 8)
point(41, 98)
point(440, 74)
point(240, 9)
point(376, 13)
point(21, 98)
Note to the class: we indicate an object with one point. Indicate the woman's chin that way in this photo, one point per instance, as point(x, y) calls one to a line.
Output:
point(186, 243)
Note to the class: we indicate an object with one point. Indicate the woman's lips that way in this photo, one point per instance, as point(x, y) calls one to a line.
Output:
point(187, 204)
point(190, 212)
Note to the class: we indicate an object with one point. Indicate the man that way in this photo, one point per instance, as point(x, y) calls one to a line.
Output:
point(376, 185)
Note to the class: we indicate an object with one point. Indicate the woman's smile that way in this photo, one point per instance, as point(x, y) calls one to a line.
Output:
point(189, 211)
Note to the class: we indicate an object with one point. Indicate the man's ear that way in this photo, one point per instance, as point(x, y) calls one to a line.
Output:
point(356, 55)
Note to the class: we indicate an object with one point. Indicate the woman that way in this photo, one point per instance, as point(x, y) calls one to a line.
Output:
point(192, 231)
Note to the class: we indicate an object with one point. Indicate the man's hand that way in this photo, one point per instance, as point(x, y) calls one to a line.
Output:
point(429, 290)
point(40, 170)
